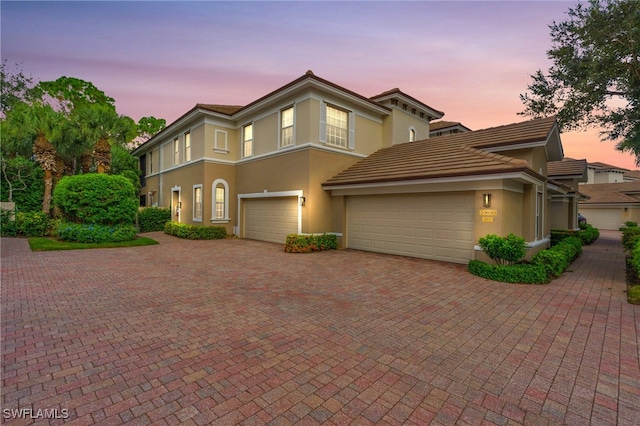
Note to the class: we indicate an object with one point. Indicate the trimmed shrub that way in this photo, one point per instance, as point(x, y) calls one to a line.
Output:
point(297, 243)
point(96, 199)
point(82, 233)
point(31, 224)
point(523, 273)
point(153, 218)
point(588, 234)
point(557, 259)
point(504, 250)
point(558, 235)
point(630, 238)
point(195, 232)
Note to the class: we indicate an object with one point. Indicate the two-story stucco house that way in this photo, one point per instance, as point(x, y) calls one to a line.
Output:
point(315, 157)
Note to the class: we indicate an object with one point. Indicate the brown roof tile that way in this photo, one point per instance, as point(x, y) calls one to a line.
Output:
point(222, 109)
point(448, 156)
point(612, 193)
point(568, 167)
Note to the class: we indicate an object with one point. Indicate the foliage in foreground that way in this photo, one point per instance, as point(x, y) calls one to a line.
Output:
point(195, 232)
point(296, 243)
point(504, 250)
point(30, 224)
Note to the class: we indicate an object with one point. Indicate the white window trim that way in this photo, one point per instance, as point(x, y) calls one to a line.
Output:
point(221, 135)
point(176, 154)
point(415, 134)
point(177, 189)
point(242, 141)
point(184, 142)
point(293, 127)
point(193, 202)
point(214, 185)
point(351, 125)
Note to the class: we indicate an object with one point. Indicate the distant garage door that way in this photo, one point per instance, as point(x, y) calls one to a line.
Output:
point(604, 218)
point(270, 219)
point(431, 226)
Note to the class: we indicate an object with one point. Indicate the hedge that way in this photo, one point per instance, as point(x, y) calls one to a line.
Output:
point(153, 218)
point(519, 273)
point(545, 265)
point(30, 224)
point(588, 234)
point(195, 232)
point(296, 243)
point(83, 233)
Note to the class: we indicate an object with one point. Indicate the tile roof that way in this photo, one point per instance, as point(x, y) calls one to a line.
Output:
point(632, 175)
point(567, 168)
point(454, 155)
point(222, 109)
point(606, 167)
point(439, 125)
point(612, 193)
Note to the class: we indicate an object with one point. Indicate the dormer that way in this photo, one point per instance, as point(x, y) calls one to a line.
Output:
point(409, 119)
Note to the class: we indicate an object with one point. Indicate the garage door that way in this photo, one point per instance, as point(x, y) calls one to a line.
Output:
point(270, 219)
point(431, 226)
point(604, 218)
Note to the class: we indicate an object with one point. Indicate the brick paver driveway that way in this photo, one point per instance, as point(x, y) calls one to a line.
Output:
point(238, 332)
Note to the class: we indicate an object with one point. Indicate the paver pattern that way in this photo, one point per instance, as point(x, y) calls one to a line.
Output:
point(239, 332)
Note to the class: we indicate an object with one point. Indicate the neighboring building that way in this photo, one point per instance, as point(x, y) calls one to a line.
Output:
point(444, 128)
point(314, 157)
point(564, 179)
point(610, 205)
point(605, 173)
point(632, 176)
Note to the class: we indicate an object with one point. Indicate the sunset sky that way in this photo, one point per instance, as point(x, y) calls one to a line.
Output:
point(468, 59)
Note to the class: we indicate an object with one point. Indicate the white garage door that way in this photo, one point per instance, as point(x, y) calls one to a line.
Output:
point(270, 219)
point(431, 226)
point(604, 218)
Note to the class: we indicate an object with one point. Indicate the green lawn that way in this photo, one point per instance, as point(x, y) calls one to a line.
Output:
point(51, 244)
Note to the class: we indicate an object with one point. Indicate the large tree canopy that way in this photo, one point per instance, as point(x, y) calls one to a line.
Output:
point(595, 77)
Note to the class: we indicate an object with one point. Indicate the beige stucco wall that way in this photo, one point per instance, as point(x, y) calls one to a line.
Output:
point(402, 121)
point(508, 219)
point(560, 210)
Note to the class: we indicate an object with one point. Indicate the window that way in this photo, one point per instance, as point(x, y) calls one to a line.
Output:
point(151, 162)
point(220, 201)
point(187, 146)
point(176, 152)
point(247, 140)
point(337, 131)
point(286, 126)
point(412, 135)
point(197, 203)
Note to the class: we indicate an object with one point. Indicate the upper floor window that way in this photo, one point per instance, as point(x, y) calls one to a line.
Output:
point(187, 146)
point(286, 127)
point(247, 140)
point(176, 151)
point(337, 127)
point(412, 134)
point(150, 162)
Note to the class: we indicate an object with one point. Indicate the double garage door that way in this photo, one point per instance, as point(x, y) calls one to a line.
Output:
point(270, 219)
point(431, 226)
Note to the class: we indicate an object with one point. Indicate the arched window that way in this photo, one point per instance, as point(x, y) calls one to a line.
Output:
point(412, 134)
point(220, 201)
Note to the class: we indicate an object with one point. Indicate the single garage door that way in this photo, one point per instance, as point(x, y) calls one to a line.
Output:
point(270, 219)
point(604, 218)
point(430, 226)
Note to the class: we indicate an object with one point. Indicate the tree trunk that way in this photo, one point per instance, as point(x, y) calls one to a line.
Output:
point(48, 186)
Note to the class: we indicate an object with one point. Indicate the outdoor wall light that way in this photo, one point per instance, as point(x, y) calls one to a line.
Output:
point(302, 200)
point(486, 200)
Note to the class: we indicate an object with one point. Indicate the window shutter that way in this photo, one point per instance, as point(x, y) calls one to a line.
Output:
point(323, 122)
point(352, 130)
